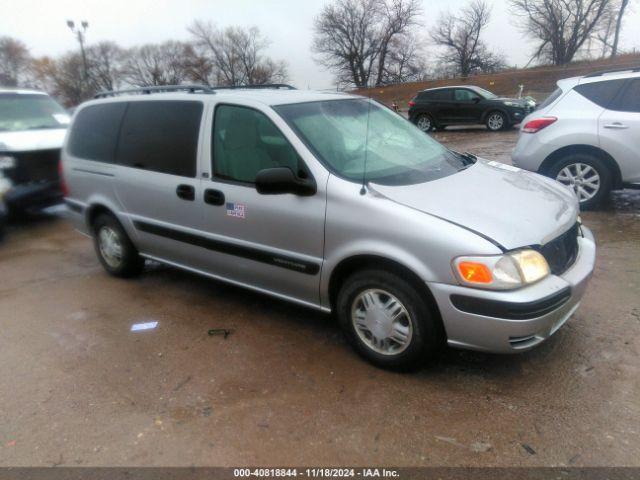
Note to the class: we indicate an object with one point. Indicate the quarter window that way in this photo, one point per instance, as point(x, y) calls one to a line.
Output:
point(600, 93)
point(161, 136)
point(464, 95)
point(246, 141)
point(95, 132)
point(629, 101)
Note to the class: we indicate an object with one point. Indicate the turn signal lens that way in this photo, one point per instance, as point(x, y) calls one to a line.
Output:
point(474, 272)
point(534, 126)
point(412, 103)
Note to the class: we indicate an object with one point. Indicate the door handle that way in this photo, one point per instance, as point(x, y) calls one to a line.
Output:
point(616, 126)
point(186, 192)
point(213, 197)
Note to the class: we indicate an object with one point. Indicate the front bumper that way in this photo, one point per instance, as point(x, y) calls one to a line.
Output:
point(528, 316)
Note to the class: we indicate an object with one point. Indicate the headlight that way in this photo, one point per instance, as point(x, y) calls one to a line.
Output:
point(501, 272)
point(7, 162)
point(512, 104)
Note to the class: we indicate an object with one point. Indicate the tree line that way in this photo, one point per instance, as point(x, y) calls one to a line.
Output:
point(362, 42)
point(230, 56)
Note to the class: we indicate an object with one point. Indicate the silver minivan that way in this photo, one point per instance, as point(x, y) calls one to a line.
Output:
point(335, 202)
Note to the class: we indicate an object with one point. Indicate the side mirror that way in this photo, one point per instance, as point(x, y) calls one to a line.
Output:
point(279, 180)
point(476, 99)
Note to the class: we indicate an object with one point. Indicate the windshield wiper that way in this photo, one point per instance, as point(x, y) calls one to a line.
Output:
point(467, 158)
point(44, 127)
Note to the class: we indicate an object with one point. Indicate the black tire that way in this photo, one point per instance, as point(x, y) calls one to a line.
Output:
point(131, 263)
point(421, 121)
point(496, 127)
point(606, 177)
point(427, 335)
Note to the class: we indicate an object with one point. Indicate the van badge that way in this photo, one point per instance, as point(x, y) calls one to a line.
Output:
point(237, 210)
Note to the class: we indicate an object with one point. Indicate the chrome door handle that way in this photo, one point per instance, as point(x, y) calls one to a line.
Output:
point(616, 126)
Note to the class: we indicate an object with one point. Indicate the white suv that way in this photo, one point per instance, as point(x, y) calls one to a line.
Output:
point(586, 135)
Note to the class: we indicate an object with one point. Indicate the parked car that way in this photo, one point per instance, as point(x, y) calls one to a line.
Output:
point(586, 135)
point(32, 130)
point(437, 108)
point(334, 202)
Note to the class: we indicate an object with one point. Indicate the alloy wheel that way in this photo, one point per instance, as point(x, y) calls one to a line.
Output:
point(424, 123)
point(583, 179)
point(381, 322)
point(495, 121)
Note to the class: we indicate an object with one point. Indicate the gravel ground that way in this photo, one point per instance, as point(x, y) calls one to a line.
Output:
point(77, 387)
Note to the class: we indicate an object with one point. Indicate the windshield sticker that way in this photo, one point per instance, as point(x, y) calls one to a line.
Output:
point(62, 118)
point(503, 166)
point(237, 210)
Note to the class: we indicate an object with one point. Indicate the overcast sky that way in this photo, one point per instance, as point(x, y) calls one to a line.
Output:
point(41, 24)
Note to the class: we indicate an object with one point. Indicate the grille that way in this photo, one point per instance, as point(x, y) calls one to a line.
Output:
point(37, 166)
point(562, 251)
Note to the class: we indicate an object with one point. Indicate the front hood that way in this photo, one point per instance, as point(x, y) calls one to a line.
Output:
point(517, 101)
point(28, 140)
point(512, 207)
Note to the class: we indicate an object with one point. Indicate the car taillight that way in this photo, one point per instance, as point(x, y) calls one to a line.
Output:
point(412, 103)
point(538, 124)
point(63, 184)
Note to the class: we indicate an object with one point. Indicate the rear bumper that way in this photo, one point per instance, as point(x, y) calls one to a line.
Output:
point(31, 196)
point(515, 321)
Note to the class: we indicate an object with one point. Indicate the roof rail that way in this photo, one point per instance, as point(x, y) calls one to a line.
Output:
point(275, 86)
point(617, 70)
point(157, 89)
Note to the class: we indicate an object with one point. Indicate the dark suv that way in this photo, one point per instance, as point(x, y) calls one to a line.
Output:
point(437, 108)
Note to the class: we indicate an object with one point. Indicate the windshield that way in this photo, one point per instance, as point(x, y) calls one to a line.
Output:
point(396, 152)
point(485, 93)
point(19, 111)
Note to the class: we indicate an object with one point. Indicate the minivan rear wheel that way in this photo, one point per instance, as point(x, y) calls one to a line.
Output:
point(116, 252)
point(387, 320)
point(586, 175)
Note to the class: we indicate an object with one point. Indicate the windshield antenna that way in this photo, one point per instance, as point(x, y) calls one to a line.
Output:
point(363, 190)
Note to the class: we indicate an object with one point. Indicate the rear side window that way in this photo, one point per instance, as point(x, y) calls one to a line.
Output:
point(600, 93)
point(441, 95)
point(95, 132)
point(551, 98)
point(161, 136)
point(629, 101)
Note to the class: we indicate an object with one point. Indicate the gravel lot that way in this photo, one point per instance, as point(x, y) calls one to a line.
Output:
point(77, 387)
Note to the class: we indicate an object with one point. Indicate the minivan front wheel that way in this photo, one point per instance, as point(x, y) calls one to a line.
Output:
point(424, 122)
point(387, 320)
point(116, 252)
point(586, 175)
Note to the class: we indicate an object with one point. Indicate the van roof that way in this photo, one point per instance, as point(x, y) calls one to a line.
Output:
point(262, 95)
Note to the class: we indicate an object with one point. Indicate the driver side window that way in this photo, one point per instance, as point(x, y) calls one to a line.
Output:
point(246, 141)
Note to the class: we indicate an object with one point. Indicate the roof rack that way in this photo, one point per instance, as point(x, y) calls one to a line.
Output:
point(190, 89)
point(274, 86)
point(617, 70)
point(157, 89)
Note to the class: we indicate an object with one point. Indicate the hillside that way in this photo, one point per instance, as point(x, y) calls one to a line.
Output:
point(538, 81)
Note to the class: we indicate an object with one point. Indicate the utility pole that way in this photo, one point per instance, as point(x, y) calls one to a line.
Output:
point(79, 32)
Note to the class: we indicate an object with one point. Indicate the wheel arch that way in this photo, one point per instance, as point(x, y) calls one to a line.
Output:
point(354, 263)
point(609, 161)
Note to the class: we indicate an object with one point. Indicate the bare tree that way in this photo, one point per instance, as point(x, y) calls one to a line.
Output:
point(234, 56)
point(561, 27)
point(459, 35)
point(63, 78)
point(14, 61)
point(156, 64)
point(616, 38)
point(106, 62)
point(406, 61)
point(353, 38)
